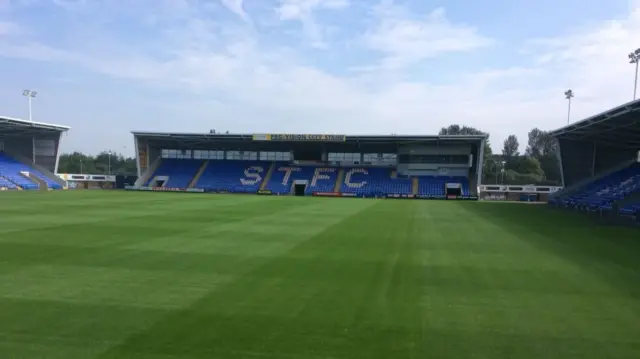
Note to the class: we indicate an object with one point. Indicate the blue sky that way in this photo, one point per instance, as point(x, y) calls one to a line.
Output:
point(106, 67)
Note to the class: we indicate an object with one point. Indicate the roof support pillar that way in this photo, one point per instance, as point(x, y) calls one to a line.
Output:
point(559, 154)
point(55, 168)
point(480, 162)
point(33, 149)
point(135, 145)
point(593, 162)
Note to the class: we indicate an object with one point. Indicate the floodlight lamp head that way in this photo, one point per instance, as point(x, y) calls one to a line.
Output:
point(25, 93)
point(637, 52)
point(33, 93)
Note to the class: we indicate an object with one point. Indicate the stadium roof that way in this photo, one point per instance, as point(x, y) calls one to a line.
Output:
point(199, 137)
point(15, 127)
point(274, 142)
point(617, 127)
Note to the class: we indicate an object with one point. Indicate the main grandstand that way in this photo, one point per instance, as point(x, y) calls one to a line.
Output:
point(29, 153)
point(324, 165)
point(600, 159)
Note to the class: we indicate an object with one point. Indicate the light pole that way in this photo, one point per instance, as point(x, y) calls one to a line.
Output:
point(109, 162)
point(634, 58)
point(568, 95)
point(30, 94)
point(502, 170)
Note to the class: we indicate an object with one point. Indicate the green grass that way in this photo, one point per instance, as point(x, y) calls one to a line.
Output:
point(167, 276)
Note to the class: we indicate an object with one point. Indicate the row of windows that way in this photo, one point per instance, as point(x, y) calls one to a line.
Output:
point(275, 156)
point(380, 158)
point(208, 155)
point(435, 159)
point(346, 157)
point(180, 154)
point(242, 155)
point(373, 158)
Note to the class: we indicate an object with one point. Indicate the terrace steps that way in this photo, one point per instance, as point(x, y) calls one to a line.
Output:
point(339, 180)
point(196, 178)
point(267, 177)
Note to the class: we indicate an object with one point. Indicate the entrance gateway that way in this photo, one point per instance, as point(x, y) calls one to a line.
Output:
point(299, 187)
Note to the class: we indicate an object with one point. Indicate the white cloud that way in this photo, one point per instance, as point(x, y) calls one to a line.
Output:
point(299, 9)
point(70, 4)
point(405, 40)
point(302, 11)
point(8, 28)
point(259, 88)
point(237, 7)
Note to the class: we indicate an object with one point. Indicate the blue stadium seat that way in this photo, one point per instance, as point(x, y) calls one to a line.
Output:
point(600, 194)
point(10, 170)
point(319, 179)
point(6, 183)
point(179, 172)
point(434, 186)
point(239, 176)
point(374, 182)
point(233, 176)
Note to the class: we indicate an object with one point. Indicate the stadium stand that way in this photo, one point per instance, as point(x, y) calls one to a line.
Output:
point(233, 176)
point(176, 173)
point(434, 186)
point(375, 182)
point(599, 160)
point(29, 153)
point(392, 166)
point(316, 179)
point(6, 184)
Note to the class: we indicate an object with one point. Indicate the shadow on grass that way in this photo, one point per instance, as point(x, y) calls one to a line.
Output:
point(613, 253)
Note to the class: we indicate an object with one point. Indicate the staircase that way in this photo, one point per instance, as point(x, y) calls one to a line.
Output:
point(339, 180)
point(267, 177)
point(415, 184)
point(40, 172)
point(151, 170)
point(195, 179)
point(42, 185)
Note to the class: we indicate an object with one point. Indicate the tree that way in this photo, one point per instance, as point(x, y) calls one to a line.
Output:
point(80, 163)
point(510, 148)
point(540, 143)
point(76, 162)
point(544, 148)
point(527, 165)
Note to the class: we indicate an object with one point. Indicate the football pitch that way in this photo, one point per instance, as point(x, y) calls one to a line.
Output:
point(116, 275)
